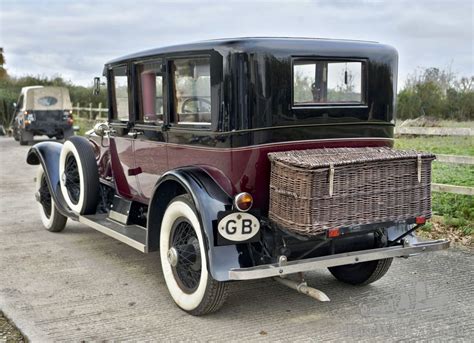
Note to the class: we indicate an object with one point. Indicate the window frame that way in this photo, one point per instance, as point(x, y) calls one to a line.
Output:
point(137, 82)
point(172, 122)
point(364, 83)
point(113, 117)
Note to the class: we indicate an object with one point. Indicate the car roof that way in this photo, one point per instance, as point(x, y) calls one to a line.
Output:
point(247, 44)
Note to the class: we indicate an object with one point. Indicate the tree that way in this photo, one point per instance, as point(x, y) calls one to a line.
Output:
point(3, 71)
point(437, 93)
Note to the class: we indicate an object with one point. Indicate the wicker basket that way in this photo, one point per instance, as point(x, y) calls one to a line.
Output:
point(314, 190)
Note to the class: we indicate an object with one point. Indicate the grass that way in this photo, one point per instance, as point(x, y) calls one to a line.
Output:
point(453, 174)
point(449, 145)
point(456, 211)
point(84, 125)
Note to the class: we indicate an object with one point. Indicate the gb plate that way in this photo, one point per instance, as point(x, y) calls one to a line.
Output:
point(238, 226)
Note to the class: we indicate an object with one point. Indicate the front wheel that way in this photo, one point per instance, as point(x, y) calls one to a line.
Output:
point(184, 263)
point(50, 217)
point(361, 273)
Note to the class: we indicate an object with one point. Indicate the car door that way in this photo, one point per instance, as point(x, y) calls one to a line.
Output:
point(149, 128)
point(121, 139)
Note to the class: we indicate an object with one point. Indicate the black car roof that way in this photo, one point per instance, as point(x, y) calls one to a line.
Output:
point(268, 44)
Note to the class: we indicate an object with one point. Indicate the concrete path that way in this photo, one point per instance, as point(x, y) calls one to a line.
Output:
point(81, 285)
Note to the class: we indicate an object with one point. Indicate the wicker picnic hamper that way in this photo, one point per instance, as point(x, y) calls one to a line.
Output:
point(314, 190)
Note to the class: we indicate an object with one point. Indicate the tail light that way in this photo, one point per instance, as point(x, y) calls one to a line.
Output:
point(420, 220)
point(333, 232)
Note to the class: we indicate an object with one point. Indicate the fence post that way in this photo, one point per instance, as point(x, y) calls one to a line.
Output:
point(100, 111)
point(90, 111)
point(78, 113)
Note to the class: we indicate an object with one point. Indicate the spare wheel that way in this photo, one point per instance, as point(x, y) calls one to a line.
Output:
point(79, 176)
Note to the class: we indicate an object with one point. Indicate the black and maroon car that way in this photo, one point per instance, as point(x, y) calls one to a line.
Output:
point(182, 165)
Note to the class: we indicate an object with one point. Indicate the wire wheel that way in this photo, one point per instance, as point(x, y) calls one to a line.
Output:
point(184, 262)
point(45, 196)
point(187, 265)
point(72, 179)
point(79, 175)
point(50, 217)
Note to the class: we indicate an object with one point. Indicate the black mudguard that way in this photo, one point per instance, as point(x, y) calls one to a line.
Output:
point(47, 153)
point(209, 199)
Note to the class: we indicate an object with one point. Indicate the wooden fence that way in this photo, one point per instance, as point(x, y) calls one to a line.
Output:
point(90, 112)
point(434, 131)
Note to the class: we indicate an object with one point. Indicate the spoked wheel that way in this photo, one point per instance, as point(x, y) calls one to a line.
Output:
point(184, 263)
point(50, 217)
point(185, 255)
point(79, 176)
point(72, 179)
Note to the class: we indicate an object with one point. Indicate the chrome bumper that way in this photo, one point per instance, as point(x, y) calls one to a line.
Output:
point(276, 269)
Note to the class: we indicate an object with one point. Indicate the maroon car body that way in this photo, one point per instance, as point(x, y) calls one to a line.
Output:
point(189, 130)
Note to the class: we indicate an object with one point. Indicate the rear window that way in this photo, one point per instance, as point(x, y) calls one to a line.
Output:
point(318, 82)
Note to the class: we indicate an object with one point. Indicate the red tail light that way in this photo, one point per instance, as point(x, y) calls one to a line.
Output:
point(420, 220)
point(334, 232)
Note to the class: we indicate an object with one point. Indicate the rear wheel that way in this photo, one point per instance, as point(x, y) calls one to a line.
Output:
point(184, 263)
point(50, 217)
point(79, 176)
point(361, 273)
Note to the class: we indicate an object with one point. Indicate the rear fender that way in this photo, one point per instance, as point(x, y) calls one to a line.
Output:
point(209, 199)
point(47, 154)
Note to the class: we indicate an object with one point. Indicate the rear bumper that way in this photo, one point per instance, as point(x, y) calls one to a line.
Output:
point(278, 269)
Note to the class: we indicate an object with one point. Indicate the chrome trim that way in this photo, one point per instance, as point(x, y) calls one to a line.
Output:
point(291, 267)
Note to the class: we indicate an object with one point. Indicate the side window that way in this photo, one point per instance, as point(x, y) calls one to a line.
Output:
point(328, 82)
point(120, 80)
point(191, 91)
point(151, 93)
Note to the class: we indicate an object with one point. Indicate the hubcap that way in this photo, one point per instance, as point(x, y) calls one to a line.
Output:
point(172, 256)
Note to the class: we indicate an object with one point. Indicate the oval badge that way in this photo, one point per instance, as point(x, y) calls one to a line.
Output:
point(238, 226)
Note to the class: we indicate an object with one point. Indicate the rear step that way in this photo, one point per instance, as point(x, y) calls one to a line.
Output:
point(133, 235)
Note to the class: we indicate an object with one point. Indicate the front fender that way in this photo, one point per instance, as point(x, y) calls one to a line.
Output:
point(209, 199)
point(47, 154)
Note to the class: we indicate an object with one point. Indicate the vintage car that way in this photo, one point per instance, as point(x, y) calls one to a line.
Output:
point(42, 111)
point(246, 158)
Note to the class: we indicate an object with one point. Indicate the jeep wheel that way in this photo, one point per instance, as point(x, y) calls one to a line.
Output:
point(184, 263)
point(50, 217)
point(67, 133)
point(25, 137)
point(79, 176)
point(361, 273)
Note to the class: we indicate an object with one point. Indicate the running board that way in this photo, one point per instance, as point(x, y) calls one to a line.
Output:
point(132, 235)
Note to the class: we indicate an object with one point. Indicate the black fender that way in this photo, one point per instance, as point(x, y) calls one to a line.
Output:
point(209, 199)
point(47, 154)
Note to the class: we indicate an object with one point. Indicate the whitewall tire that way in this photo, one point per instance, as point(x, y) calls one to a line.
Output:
point(184, 263)
point(79, 177)
point(50, 217)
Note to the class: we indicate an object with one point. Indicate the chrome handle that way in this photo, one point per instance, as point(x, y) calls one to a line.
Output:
point(134, 134)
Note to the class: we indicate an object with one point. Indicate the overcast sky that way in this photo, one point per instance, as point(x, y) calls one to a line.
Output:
point(75, 38)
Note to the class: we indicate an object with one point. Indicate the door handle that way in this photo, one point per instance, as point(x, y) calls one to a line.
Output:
point(134, 134)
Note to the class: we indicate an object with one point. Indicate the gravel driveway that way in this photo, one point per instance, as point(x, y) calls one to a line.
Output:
point(81, 285)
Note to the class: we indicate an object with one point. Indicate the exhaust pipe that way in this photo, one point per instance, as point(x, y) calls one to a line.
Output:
point(303, 288)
